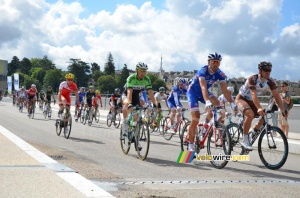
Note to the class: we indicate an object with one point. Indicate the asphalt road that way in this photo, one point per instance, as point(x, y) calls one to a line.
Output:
point(94, 151)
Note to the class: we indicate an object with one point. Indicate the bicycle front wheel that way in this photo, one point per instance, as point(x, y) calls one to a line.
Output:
point(97, 116)
point(109, 120)
point(142, 140)
point(166, 133)
point(117, 120)
point(273, 148)
point(219, 147)
point(68, 127)
point(184, 137)
point(125, 143)
point(58, 127)
point(236, 133)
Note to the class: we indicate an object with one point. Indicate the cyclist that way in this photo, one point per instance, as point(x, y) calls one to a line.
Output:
point(223, 102)
point(199, 91)
point(21, 96)
point(97, 99)
point(135, 83)
point(159, 96)
point(49, 92)
point(113, 100)
point(174, 101)
point(248, 103)
point(42, 98)
point(89, 95)
point(32, 96)
point(81, 95)
point(65, 89)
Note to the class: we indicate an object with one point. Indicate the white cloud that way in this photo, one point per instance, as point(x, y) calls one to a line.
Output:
point(244, 32)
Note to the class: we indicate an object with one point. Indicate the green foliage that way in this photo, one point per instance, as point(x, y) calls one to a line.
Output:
point(25, 66)
point(53, 78)
point(121, 80)
point(95, 68)
point(28, 81)
point(97, 74)
point(106, 84)
point(152, 77)
point(13, 66)
point(44, 63)
point(38, 73)
point(81, 70)
point(159, 83)
point(109, 68)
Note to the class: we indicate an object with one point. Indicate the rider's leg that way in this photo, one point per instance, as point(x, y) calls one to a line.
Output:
point(193, 128)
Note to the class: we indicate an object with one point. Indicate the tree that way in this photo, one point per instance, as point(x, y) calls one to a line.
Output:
point(152, 77)
point(53, 78)
point(25, 66)
point(106, 84)
point(81, 70)
point(38, 73)
point(109, 68)
point(96, 75)
point(95, 67)
point(28, 81)
point(123, 77)
point(158, 83)
point(13, 66)
point(44, 63)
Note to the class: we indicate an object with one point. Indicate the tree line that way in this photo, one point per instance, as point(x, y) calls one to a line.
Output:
point(43, 72)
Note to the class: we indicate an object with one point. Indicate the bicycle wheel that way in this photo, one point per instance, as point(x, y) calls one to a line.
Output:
point(117, 120)
point(166, 133)
point(184, 137)
point(49, 113)
point(219, 145)
point(126, 143)
point(33, 111)
point(142, 140)
point(181, 125)
point(45, 114)
point(81, 118)
point(108, 120)
point(68, 127)
point(58, 127)
point(97, 116)
point(161, 126)
point(273, 148)
point(236, 133)
point(90, 120)
point(86, 118)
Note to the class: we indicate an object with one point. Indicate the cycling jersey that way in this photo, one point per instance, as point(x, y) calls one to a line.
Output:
point(254, 83)
point(66, 90)
point(81, 96)
point(48, 95)
point(137, 85)
point(31, 93)
point(96, 99)
point(89, 96)
point(114, 98)
point(160, 97)
point(21, 94)
point(174, 97)
point(194, 93)
point(42, 95)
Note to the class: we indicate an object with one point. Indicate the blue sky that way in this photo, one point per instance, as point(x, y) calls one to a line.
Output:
point(184, 32)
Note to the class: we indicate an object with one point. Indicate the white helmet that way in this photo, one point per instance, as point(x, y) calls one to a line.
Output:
point(33, 86)
point(230, 89)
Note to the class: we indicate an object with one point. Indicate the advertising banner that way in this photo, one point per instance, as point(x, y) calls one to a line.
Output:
point(9, 84)
point(16, 81)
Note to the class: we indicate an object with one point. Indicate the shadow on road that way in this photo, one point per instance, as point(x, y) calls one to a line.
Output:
point(85, 140)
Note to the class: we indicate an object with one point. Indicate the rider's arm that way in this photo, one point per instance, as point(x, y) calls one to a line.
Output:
point(59, 96)
point(101, 101)
point(203, 87)
point(129, 95)
point(176, 99)
point(226, 93)
point(150, 92)
point(77, 97)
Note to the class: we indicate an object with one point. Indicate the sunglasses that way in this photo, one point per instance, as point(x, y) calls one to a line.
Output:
point(267, 70)
point(214, 61)
point(69, 79)
point(283, 86)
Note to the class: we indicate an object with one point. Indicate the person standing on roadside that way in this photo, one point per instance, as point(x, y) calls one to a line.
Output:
point(286, 99)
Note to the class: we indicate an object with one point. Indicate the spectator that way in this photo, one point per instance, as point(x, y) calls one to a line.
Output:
point(286, 99)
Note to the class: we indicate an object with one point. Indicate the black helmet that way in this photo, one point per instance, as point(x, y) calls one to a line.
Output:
point(161, 89)
point(117, 90)
point(265, 64)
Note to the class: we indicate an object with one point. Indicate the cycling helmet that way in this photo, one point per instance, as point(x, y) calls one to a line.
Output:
point(230, 89)
point(161, 89)
point(117, 90)
point(141, 66)
point(97, 92)
point(91, 87)
point(22, 87)
point(264, 64)
point(42, 91)
point(69, 76)
point(215, 56)
point(49, 87)
point(33, 86)
point(182, 80)
point(82, 88)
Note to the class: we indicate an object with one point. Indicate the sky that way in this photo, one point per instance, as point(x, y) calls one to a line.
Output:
point(182, 32)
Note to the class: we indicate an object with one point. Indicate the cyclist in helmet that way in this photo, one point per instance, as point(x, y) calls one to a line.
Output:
point(113, 100)
point(64, 92)
point(97, 100)
point(223, 102)
point(199, 91)
point(32, 94)
point(159, 96)
point(48, 94)
point(135, 83)
point(81, 96)
point(174, 102)
point(248, 102)
point(89, 97)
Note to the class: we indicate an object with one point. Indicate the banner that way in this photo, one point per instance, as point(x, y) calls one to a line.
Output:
point(16, 81)
point(9, 84)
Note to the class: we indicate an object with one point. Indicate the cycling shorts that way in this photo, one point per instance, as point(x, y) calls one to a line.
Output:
point(195, 97)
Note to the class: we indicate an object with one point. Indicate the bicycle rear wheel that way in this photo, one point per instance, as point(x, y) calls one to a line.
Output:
point(181, 125)
point(166, 133)
point(58, 127)
point(142, 140)
point(184, 137)
point(68, 127)
point(218, 147)
point(97, 116)
point(273, 148)
point(109, 120)
point(126, 143)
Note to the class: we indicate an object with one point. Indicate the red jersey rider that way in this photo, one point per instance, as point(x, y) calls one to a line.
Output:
point(65, 89)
